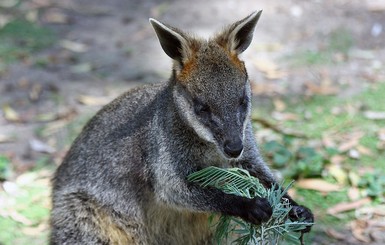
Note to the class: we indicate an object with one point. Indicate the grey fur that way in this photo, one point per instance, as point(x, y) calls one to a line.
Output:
point(124, 179)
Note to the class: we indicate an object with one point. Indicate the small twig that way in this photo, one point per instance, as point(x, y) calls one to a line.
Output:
point(275, 128)
point(301, 238)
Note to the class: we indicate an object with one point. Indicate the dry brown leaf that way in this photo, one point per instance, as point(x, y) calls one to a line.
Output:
point(33, 231)
point(6, 138)
point(377, 223)
point(325, 88)
point(379, 210)
point(19, 218)
point(372, 211)
point(282, 116)
point(10, 114)
point(276, 128)
point(358, 230)
point(267, 89)
point(63, 115)
point(347, 206)
point(54, 16)
point(53, 127)
point(375, 115)
point(292, 193)
point(73, 46)
point(348, 145)
point(364, 150)
point(381, 134)
point(335, 234)
point(337, 159)
point(354, 178)
point(381, 145)
point(269, 69)
point(39, 146)
point(353, 193)
point(351, 141)
point(279, 105)
point(46, 117)
point(339, 174)
point(93, 100)
point(35, 92)
point(67, 115)
point(328, 141)
point(317, 185)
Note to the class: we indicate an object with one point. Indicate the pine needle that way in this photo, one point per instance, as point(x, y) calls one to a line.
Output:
point(239, 182)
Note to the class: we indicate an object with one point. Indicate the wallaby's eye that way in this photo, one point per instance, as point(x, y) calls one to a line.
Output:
point(201, 109)
point(244, 101)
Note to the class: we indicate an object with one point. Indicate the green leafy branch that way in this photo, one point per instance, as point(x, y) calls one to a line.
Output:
point(239, 182)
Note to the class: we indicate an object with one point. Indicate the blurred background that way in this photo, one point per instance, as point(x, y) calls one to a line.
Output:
point(318, 74)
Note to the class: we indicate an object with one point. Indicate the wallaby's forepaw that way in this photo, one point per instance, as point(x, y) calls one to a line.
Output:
point(257, 211)
point(303, 214)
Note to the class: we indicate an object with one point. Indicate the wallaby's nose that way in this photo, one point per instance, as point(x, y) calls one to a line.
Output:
point(233, 148)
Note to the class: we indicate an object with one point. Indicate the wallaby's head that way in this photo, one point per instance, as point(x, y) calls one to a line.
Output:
point(210, 85)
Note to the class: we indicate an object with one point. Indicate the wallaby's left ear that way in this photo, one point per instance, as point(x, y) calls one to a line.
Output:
point(239, 35)
point(175, 43)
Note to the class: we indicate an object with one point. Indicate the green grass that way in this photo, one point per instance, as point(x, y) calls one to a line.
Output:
point(310, 57)
point(19, 38)
point(323, 121)
point(319, 203)
point(339, 41)
point(30, 203)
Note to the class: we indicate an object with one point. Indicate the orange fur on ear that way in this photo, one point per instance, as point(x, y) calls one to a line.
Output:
point(237, 62)
point(223, 42)
point(187, 69)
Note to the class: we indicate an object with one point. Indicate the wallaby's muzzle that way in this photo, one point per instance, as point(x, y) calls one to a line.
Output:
point(233, 148)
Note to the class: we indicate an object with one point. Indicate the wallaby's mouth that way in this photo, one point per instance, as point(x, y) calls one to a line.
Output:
point(233, 149)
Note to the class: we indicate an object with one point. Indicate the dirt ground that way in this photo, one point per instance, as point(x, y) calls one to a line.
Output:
point(107, 47)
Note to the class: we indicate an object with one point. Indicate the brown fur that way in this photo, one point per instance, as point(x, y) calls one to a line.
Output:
point(187, 69)
point(237, 62)
point(191, 64)
point(111, 231)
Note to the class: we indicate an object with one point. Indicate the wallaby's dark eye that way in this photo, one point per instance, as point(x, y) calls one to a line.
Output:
point(201, 109)
point(244, 101)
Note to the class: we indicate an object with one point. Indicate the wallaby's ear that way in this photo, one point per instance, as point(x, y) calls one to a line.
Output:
point(172, 41)
point(239, 35)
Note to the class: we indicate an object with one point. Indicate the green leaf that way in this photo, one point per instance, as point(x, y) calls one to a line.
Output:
point(280, 160)
point(5, 168)
point(239, 182)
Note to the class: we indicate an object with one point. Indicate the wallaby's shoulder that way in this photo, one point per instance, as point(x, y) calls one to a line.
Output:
point(131, 104)
point(135, 99)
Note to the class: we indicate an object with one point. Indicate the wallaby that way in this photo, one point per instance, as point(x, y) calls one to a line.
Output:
point(124, 179)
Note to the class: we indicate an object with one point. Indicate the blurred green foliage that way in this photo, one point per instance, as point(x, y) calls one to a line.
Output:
point(19, 38)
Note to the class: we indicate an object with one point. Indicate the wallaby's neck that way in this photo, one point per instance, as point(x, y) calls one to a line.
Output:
point(172, 121)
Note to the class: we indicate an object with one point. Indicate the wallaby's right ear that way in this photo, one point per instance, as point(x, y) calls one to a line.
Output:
point(172, 41)
point(237, 37)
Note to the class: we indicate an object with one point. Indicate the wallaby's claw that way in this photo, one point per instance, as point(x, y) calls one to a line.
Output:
point(258, 211)
point(303, 214)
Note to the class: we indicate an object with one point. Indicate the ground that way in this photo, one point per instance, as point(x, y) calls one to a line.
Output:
point(317, 69)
